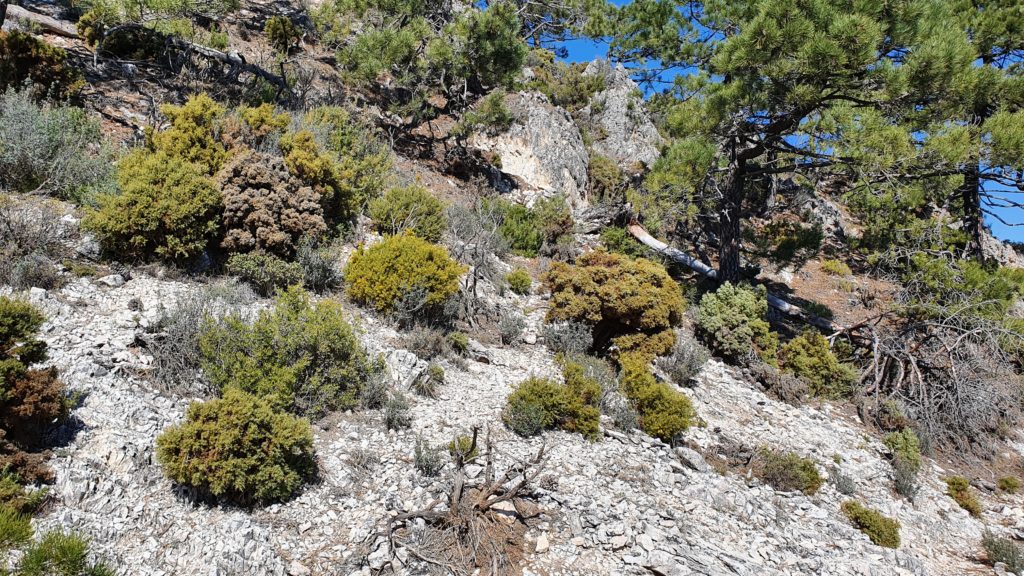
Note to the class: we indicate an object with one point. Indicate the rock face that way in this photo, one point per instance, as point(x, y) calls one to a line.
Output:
point(623, 130)
point(542, 149)
point(627, 505)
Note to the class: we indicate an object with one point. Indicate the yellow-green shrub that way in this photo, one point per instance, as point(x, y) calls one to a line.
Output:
point(167, 208)
point(519, 281)
point(834, 267)
point(410, 208)
point(732, 321)
point(881, 530)
point(809, 357)
point(631, 303)
point(192, 136)
point(301, 356)
point(540, 404)
point(282, 33)
point(385, 272)
point(264, 119)
point(959, 489)
point(787, 471)
point(239, 448)
point(1009, 484)
point(904, 445)
point(664, 412)
point(263, 272)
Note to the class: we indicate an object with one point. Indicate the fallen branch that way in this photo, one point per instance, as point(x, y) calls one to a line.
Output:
point(46, 23)
point(680, 257)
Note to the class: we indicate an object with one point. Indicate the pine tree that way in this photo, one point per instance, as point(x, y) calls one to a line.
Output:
point(759, 77)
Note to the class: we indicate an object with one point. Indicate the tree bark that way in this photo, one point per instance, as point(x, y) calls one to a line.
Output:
point(45, 23)
point(3, 12)
point(729, 212)
point(972, 218)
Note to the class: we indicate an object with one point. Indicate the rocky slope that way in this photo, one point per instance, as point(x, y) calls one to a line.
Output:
point(625, 505)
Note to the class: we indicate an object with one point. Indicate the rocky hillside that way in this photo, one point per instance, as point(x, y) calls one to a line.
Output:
point(368, 287)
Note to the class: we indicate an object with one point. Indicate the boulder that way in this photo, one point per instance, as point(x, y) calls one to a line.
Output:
point(617, 113)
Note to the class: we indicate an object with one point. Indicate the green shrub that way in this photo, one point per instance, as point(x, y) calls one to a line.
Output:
point(59, 554)
point(834, 267)
point(959, 489)
point(519, 281)
point(787, 471)
point(1003, 550)
point(15, 496)
point(410, 208)
point(569, 338)
point(664, 412)
point(53, 149)
point(427, 459)
point(538, 230)
point(904, 445)
point(619, 241)
point(905, 478)
point(319, 271)
point(25, 59)
point(490, 115)
point(166, 208)
point(282, 33)
point(301, 356)
point(1009, 484)
point(510, 327)
point(389, 270)
point(685, 361)
point(264, 119)
point(732, 321)
point(634, 302)
point(459, 341)
point(809, 357)
point(540, 404)
point(563, 83)
point(15, 528)
point(605, 180)
point(265, 273)
point(881, 530)
point(238, 448)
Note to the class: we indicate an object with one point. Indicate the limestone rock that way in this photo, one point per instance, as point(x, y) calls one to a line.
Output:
point(617, 113)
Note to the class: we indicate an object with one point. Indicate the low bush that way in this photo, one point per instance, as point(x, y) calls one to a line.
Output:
point(266, 208)
point(265, 273)
point(25, 59)
point(301, 356)
point(905, 478)
point(427, 383)
point(787, 471)
point(538, 230)
point(166, 208)
point(733, 322)
point(319, 272)
point(540, 404)
point(1001, 550)
point(632, 304)
point(569, 338)
point(1009, 484)
point(510, 327)
point(490, 115)
point(664, 412)
point(459, 342)
point(959, 489)
point(619, 241)
point(685, 360)
point(605, 184)
point(16, 497)
point(193, 134)
point(881, 530)
point(835, 268)
point(58, 150)
point(385, 272)
point(174, 343)
point(809, 357)
point(519, 281)
point(238, 448)
point(428, 460)
point(785, 387)
point(411, 208)
point(396, 412)
point(843, 483)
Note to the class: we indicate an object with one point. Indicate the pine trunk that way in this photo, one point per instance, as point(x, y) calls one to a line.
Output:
point(972, 218)
point(3, 12)
point(730, 210)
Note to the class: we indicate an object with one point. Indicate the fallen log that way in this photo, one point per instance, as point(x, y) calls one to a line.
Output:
point(45, 23)
point(680, 257)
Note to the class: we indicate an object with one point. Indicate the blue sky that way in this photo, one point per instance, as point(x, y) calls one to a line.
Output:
point(584, 50)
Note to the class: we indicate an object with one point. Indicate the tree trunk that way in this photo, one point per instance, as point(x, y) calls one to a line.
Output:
point(3, 12)
point(972, 218)
point(729, 213)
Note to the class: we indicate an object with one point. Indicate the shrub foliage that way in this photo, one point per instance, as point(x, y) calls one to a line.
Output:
point(788, 471)
point(238, 448)
point(881, 530)
point(733, 322)
point(809, 357)
point(664, 412)
point(540, 404)
point(411, 208)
